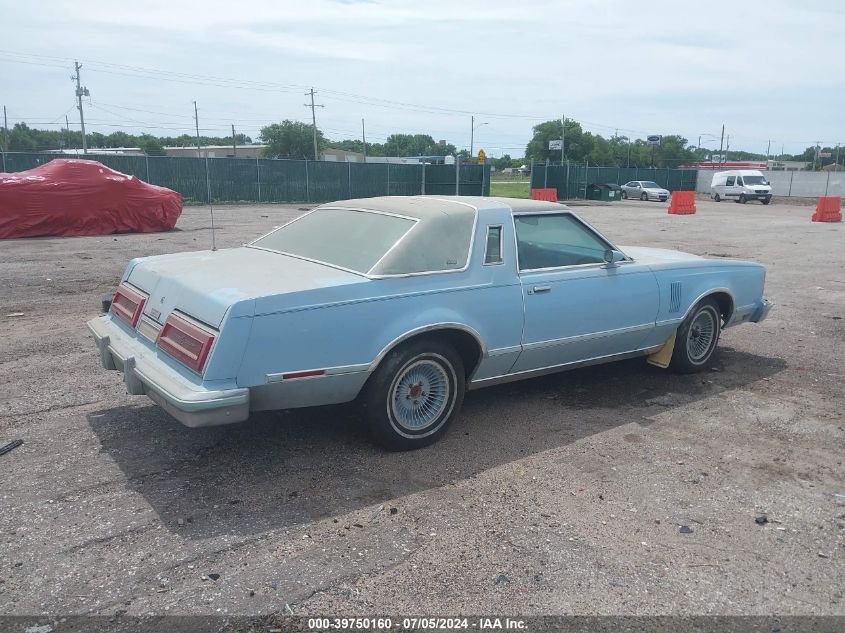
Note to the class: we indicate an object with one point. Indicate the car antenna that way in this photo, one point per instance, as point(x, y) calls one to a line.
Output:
point(207, 179)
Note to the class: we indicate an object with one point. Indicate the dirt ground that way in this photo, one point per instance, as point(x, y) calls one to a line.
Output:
point(560, 495)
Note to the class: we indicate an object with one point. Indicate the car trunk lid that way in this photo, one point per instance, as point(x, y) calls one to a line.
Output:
point(204, 284)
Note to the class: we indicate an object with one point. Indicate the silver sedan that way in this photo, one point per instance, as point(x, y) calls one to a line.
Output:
point(644, 190)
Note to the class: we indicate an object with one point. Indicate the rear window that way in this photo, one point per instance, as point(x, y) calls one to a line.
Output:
point(651, 185)
point(355, 240)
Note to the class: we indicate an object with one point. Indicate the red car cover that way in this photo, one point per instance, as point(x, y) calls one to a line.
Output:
point(82, 197)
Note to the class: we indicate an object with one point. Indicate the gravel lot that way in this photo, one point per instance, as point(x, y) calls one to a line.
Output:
point(558, 495)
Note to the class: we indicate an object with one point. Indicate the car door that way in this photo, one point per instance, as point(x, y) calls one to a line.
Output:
point(730, 187)
point(576, 306)
point(636, 190)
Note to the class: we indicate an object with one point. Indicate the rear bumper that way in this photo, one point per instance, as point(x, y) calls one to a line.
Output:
point(761, 311)
point(145, 374)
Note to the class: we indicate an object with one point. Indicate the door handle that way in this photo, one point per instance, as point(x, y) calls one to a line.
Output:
point(538, 289)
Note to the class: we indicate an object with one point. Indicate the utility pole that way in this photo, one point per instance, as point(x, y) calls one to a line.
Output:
point(471, 134)
point(816, 153)
point(364, 139)
point(562, 136)
point(234, 145)
point(722, 143)
point(197, 120)
point(207, 179)
point(837, 150)
point(768, 149)
point(67, 133)
point(6, 138)
point(728, 148)
point(81, 91)
point(312, 105)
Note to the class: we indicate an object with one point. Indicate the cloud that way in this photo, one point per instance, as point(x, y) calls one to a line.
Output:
point(767, 69)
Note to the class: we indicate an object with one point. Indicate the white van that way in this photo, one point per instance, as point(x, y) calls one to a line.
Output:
point(741, 185)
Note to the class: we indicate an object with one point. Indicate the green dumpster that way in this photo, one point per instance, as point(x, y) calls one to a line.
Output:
point(604, 191)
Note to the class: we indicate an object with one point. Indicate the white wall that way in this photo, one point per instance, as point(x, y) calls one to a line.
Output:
point(798, 184)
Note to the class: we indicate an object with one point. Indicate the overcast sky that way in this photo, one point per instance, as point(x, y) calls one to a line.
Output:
point(766, 69)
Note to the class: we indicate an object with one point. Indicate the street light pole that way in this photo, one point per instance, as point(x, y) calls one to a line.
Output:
point(472, 133)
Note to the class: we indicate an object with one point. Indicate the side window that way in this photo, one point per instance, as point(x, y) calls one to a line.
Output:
point(493, 253)
point(730, 181)
point(739, 181)
point(552, 241)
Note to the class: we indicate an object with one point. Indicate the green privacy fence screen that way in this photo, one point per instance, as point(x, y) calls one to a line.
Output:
point(275, 180)
point(571, 179)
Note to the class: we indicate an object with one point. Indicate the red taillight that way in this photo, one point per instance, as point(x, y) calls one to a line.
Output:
point(186, 342)
point(128, 304)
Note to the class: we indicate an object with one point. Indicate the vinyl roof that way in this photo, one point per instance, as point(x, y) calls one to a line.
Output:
point(422, 207)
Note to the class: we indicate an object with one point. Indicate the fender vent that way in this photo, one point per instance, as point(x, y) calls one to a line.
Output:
point(675, 297)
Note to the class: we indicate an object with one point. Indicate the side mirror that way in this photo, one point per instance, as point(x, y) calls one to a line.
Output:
point(613, 257)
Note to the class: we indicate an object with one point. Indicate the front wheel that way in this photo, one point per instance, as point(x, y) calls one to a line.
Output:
point(624, 195)
point(644, 197)
point(766, 200)
point(414, 395)
point(697, 338)
point(742, 198)
point(717, 198)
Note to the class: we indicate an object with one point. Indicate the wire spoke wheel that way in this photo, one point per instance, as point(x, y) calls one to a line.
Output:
point(701, 335)
point(420, 394)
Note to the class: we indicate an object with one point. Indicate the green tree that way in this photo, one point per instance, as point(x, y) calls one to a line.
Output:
point(415, 145)
point(291, 139)
point(120, 139)
point(151, 145)
point(502, 163)
point(22, 139)
point(577, 146)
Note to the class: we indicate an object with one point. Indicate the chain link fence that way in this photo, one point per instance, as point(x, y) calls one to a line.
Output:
point(234, 180)
point(572, 179)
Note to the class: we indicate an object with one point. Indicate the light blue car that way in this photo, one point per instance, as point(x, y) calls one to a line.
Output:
point(404, 303)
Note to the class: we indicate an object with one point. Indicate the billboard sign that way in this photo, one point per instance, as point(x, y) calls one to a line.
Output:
point(654, 139)
point(556, 144)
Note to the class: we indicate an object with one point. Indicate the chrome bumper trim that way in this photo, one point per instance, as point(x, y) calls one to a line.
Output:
point(192, 407)
point(762, 311)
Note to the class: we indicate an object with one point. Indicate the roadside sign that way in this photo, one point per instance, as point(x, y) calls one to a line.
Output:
point(556, 144)
point(481, 157)
point(824, 154)
point(654, 139)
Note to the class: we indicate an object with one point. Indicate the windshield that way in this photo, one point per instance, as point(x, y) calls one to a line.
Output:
point(647, 184)
point(754, 180)
point(355, 240)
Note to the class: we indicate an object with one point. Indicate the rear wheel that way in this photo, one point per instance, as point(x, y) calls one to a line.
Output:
point(414, 395)
point(644, 197)
point(697, 338)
